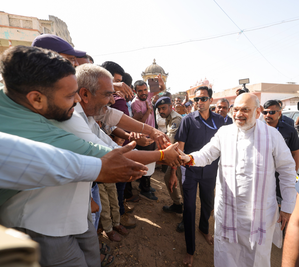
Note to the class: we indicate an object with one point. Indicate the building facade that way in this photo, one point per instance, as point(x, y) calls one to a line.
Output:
point(21, 30)
point(287, 93)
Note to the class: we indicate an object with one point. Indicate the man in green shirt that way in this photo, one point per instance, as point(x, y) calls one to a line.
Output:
point(41, 85)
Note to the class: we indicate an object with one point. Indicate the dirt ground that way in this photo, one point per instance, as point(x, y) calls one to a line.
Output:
point(155, 243)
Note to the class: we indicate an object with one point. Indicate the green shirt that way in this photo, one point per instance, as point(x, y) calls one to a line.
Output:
point(18, 120)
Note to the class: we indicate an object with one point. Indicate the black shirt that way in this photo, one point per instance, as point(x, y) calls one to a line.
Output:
point(289, 135)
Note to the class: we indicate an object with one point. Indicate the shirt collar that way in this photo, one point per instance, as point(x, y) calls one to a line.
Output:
point(197, 114)
point(79, 108)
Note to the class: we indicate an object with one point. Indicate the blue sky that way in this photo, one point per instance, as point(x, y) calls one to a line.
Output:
point(104, 28)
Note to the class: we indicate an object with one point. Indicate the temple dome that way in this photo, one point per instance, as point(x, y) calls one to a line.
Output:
point(154, 69)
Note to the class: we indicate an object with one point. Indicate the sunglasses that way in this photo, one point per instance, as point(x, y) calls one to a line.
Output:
point(202, 99)
point(271, 112)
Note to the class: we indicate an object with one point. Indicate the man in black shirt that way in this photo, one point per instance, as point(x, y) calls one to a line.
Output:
point(272, 116)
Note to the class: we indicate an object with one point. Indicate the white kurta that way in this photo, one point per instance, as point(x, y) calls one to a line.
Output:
point(242, 253)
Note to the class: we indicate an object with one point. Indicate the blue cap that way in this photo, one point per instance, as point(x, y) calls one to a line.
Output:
point(57, 44)
point(163, 100)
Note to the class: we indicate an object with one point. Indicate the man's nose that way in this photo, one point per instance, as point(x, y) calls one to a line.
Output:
point(111, 101)
point(77, 98)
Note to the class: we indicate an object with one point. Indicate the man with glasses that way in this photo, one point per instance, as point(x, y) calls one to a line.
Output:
point(272, 115)
point(196, 130)
point(222, 108)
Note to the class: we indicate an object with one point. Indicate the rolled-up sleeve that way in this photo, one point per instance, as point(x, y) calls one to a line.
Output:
point(112, 116)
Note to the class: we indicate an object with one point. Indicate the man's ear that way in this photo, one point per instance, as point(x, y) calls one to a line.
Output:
point(84, 94)
point(37, 100)
point(258, 112)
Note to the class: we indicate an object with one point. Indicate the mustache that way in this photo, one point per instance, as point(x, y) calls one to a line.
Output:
point(239, 118)
point(73, 106)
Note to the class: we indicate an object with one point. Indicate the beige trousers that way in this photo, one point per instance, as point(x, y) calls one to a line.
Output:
point(175, 195)
point(110, 215)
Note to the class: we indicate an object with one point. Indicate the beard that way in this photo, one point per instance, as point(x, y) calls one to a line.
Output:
point(56, 113)
point(101, 114)
point(143, 97)
point(249, 122)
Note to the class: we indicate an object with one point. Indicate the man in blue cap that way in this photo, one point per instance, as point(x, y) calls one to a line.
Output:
point(173, 121)
point(57, 44)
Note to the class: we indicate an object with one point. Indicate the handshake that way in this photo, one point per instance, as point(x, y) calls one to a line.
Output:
point(173, 156)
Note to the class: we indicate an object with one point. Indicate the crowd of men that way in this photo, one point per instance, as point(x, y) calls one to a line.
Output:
point(74, 135)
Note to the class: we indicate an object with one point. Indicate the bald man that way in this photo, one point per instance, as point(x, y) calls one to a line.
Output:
point(246, 211)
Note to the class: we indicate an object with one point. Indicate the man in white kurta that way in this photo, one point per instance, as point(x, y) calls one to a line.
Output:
point(246, 211)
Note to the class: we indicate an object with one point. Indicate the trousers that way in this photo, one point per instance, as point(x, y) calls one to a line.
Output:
point(175, 195)
point(68, 251)
point(206, 192)
point(110, 209)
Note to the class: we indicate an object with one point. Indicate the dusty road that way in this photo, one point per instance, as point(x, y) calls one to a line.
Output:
point(155, 243)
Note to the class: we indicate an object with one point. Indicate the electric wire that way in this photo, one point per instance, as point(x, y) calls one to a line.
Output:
point(241, 31)
point(202, 39)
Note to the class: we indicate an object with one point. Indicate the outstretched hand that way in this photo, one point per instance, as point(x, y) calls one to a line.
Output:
point(184, 158)
point(171, 156)
point(160, 138)
point(140, 139)
point(125, 89)
point(117, 168)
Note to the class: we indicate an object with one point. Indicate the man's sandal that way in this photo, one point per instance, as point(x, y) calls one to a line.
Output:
point(105, 249)
point(105, 262)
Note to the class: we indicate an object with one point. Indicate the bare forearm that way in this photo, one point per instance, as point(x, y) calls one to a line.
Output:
point(121, 133)
point(132, 125)
point(290, 257)
point(145, 116)
point(295, 155)
point(144, 157)
point(181, 145)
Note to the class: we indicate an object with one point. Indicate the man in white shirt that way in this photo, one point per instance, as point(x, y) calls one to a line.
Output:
point(246, 212)
point(95, 90)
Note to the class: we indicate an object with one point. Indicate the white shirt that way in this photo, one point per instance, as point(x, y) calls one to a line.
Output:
point(112, 116)
point(44, 164)
point(86, 128)
point(161, 122)
point(244, 171)
point(62, 211)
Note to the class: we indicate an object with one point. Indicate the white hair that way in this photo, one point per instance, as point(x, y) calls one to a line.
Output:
point(88, 75)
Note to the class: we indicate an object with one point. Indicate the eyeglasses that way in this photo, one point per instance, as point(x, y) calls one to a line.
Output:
point(271, 112)
point(202, 99)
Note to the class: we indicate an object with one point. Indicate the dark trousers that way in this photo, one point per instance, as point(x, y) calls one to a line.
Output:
point(145, 181)
point(128, 190)
point(120, 194)
point(206, 193)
